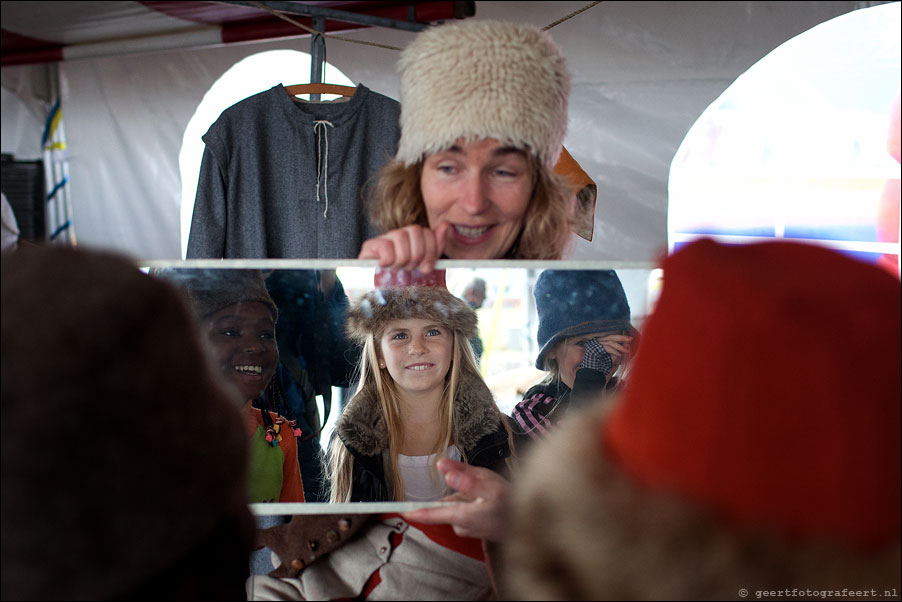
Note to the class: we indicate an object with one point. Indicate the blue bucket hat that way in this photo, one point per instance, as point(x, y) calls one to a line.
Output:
point(576, 302)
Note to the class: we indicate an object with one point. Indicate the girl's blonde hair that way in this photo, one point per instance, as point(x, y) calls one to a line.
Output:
point(396, 200)
point(371, 378)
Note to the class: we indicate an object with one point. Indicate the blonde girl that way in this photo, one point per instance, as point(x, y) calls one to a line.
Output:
point(420, 398)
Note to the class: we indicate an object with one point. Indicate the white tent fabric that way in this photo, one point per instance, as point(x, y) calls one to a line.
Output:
point(643, 72)
point(799, 144)
point(20, 134)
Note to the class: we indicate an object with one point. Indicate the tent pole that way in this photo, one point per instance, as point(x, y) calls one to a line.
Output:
point(317, 53)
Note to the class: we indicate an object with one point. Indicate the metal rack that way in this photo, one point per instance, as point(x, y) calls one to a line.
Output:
point(319, 15)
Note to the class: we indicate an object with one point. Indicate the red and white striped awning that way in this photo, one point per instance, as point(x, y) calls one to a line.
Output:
point(36, 32)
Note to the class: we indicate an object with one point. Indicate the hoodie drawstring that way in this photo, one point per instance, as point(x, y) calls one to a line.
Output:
point(322, 160)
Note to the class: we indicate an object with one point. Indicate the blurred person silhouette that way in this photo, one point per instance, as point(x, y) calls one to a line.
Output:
point(123, 456)
point(474, 295)
point(755, 446)
point(315, 356)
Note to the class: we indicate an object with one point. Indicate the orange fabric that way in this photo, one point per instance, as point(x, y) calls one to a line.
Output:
point(584, 215)
point(292, 486)
point(568, 167)
point(768, 389)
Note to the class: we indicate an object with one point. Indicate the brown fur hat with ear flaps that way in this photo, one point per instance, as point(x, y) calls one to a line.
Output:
point(372, 312)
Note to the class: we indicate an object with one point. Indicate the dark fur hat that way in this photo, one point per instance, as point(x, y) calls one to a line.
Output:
point(121, 450)
point(374, 310)
point(210, 290)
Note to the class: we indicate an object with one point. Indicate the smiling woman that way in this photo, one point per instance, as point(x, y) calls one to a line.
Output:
point(473, 177)
point(481, 190)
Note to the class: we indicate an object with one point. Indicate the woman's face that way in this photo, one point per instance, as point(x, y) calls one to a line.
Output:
point(569, 354)
point(482, 190)
point(417, 354)
point(243, 337)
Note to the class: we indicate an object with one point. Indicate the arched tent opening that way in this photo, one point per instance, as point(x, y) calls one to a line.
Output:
point(797, 146)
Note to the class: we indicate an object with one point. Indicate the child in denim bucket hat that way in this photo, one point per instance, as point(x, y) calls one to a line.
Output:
point(585, 343)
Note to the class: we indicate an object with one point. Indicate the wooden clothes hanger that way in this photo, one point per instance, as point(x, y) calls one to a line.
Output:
point(317, 88)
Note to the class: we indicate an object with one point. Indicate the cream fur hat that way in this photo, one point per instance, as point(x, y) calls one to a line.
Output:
point(483, 79)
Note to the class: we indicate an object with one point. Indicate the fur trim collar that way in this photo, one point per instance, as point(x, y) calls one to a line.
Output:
point(362, 427)
point(588, 532)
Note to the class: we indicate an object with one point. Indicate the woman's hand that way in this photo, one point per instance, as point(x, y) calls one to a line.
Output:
point(484, 507)
point(407, 248)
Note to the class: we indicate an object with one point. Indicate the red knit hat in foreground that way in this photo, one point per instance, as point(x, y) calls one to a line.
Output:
point(768, 390)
